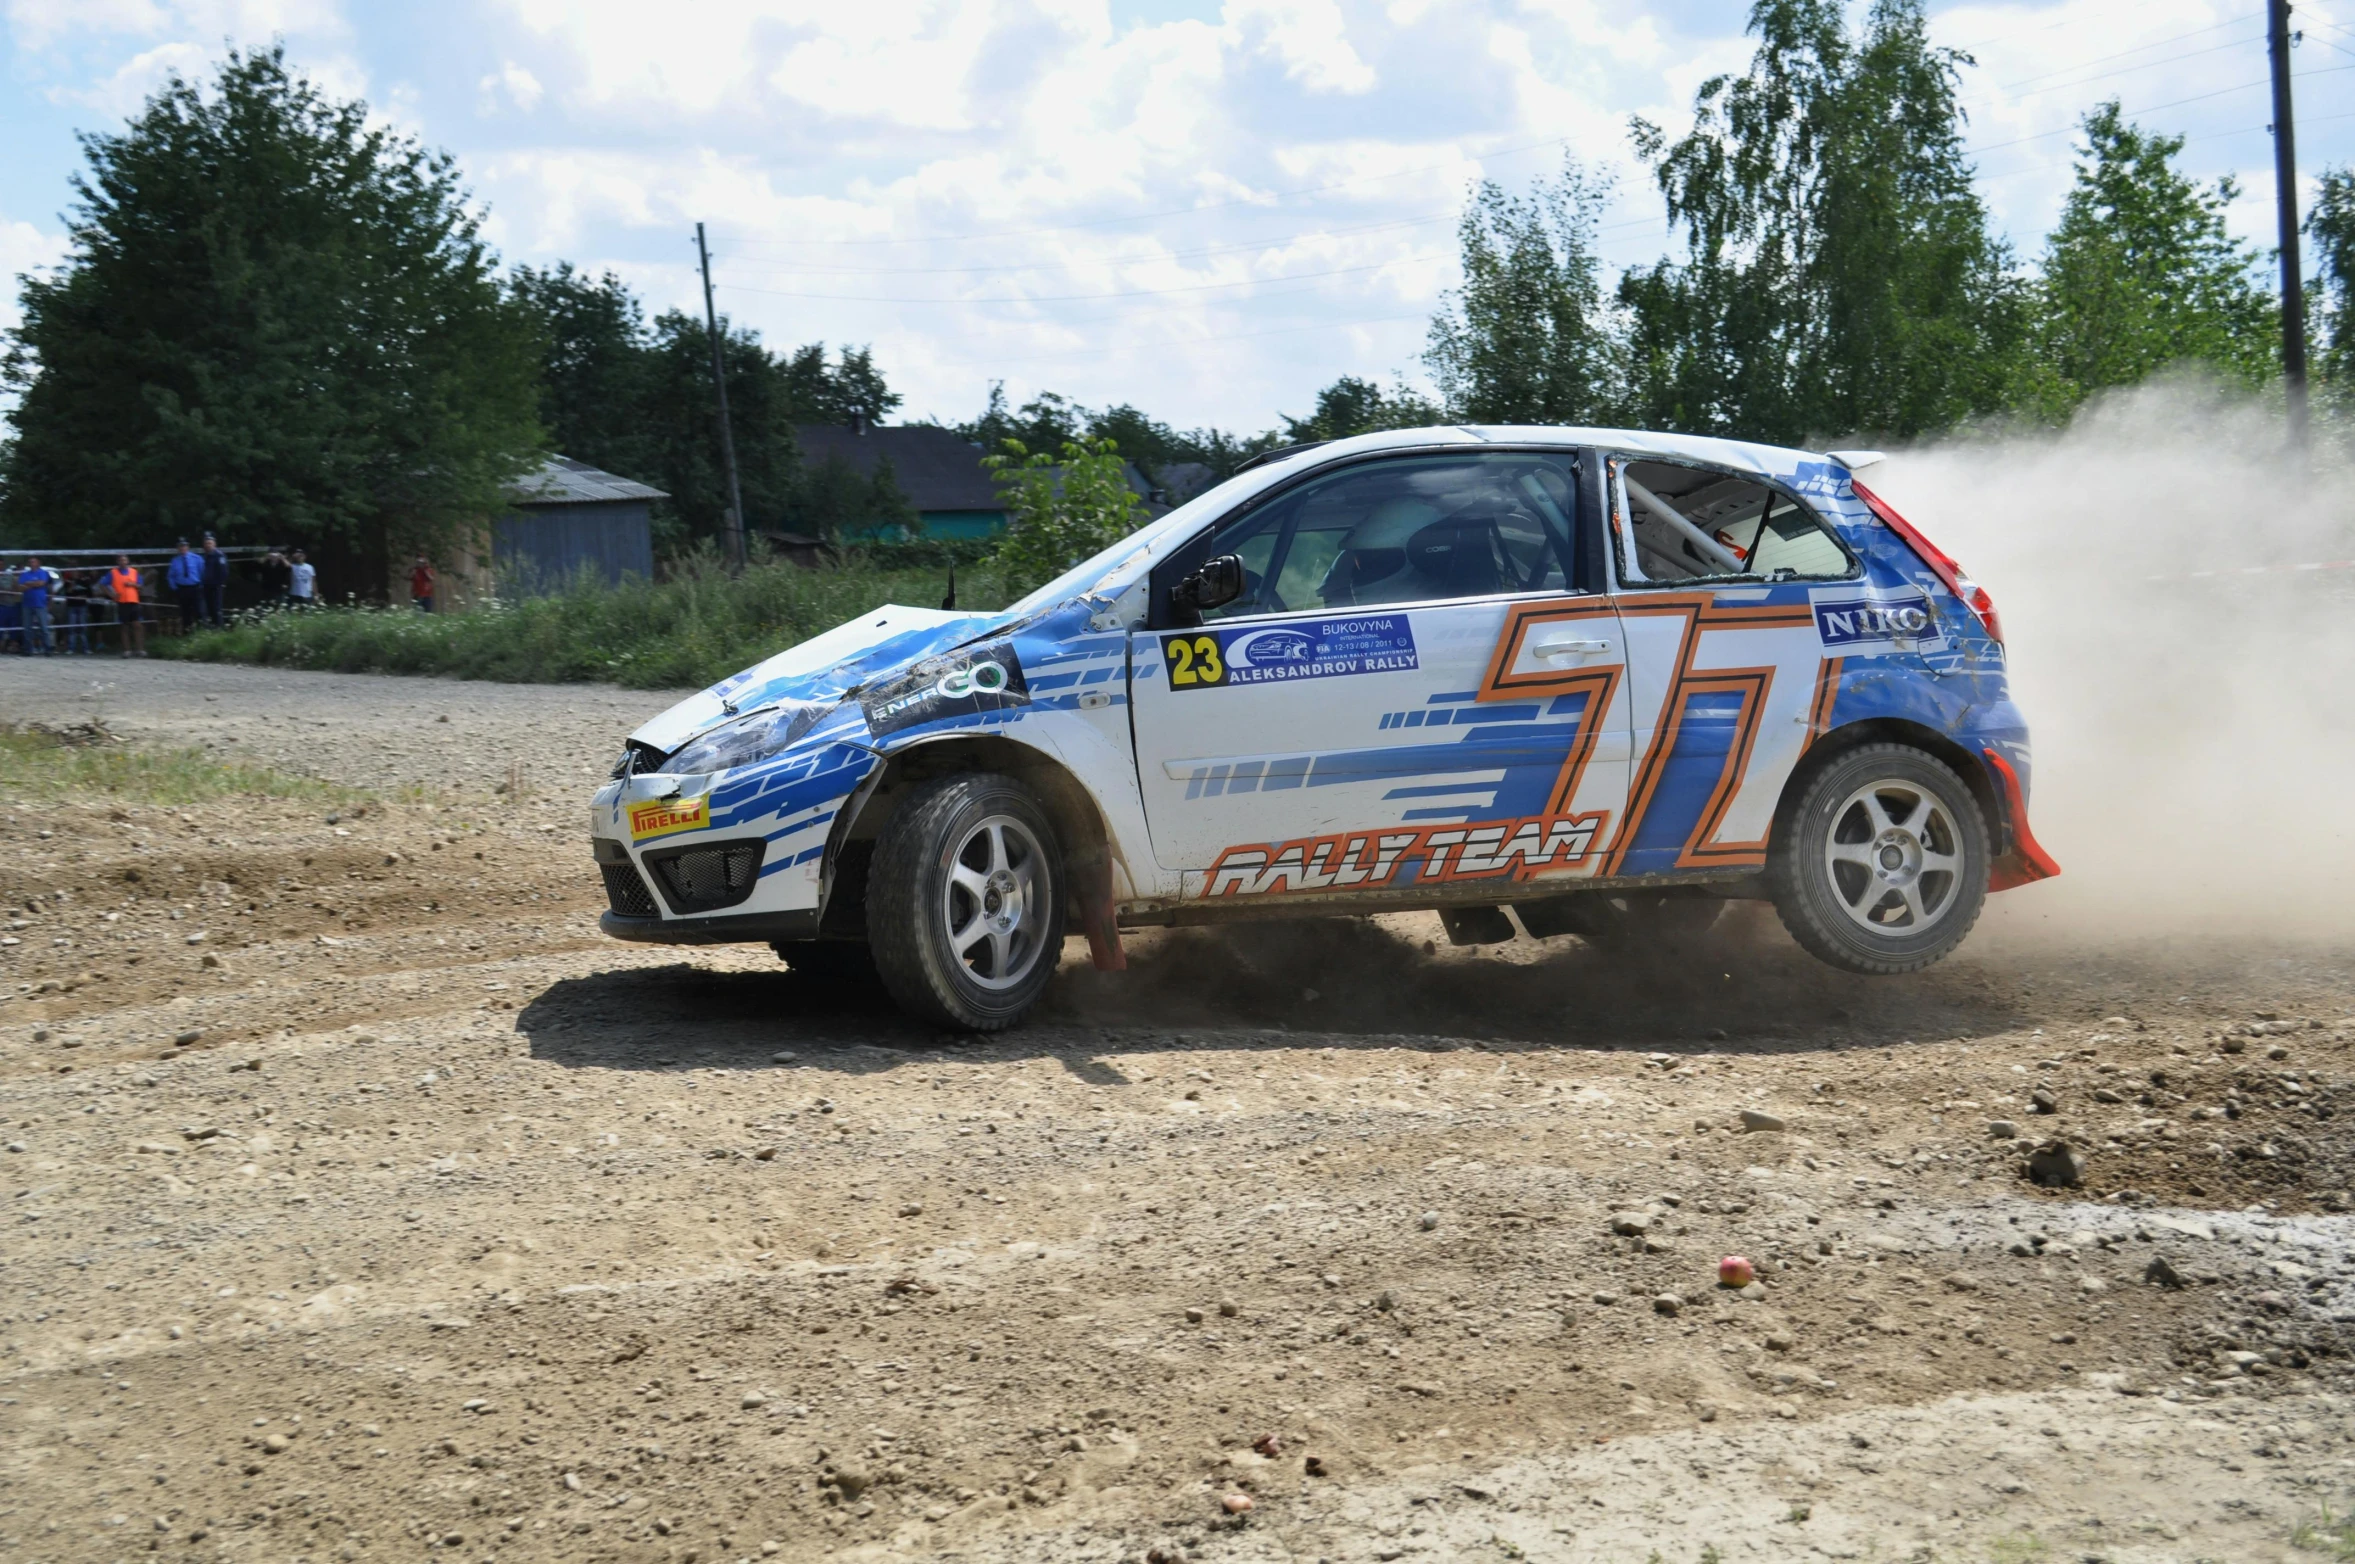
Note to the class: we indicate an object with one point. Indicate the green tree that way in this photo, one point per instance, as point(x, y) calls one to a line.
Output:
point(594, 367)
point(850, 391)
point(276, 321)
point(2331, 224)
point(1061, 511)
point(838, 501)
point(2140, 273)
point(1049, 421)
point(1351, 405)
point(1528, 336)
point(681, 420)
point(1839, 276)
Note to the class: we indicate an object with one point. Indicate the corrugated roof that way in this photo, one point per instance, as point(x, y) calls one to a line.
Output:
point(562, 481)
point(936, 470)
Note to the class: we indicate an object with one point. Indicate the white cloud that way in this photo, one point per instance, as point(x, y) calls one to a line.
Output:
point(37, 24)
point(23, 248)
point(1209, 214)
point(1311, 37)
point(511, 81)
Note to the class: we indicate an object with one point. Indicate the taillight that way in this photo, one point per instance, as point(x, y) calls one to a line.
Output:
point(1942, 564)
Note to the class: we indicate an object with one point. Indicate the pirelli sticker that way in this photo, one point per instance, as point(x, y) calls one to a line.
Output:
point(667, 815)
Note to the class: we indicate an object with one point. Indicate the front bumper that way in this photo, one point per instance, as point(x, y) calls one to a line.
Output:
point(735, 857)
point(747, 928)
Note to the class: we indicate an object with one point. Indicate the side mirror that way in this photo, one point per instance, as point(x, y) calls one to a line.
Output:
point(1218, 583)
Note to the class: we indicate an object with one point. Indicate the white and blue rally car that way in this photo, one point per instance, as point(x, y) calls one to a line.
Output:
point(1605, 680)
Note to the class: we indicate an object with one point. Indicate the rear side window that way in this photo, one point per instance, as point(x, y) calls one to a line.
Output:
point(1672, 524)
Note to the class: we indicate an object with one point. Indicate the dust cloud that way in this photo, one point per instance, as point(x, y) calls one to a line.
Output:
point(2191, 691)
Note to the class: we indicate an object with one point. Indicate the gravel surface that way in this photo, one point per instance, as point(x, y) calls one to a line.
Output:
point(363, 1201)
point(362, 729)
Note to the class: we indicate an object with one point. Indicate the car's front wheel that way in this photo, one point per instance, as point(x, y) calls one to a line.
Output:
point(1881, 865)
point(965, 903)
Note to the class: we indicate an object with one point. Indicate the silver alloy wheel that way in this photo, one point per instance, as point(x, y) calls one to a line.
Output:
point(994, 901)
point(1894, 858)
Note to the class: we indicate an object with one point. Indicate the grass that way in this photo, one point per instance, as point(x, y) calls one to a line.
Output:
point(695, 628)
point(34, 764)
point(2332, 1536)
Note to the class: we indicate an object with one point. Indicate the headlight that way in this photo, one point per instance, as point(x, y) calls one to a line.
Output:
point(745, 740)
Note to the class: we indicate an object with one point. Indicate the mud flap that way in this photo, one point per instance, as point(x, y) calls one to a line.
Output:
point(1091, 884)
point(2023, 862)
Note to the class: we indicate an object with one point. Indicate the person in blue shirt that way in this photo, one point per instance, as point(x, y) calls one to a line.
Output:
point(216, 581)
point(185, 576)
point(33, 585)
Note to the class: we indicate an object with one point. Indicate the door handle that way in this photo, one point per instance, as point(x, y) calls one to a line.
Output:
point(1551, 649)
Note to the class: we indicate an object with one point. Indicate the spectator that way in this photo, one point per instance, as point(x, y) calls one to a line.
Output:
point(75, 588)
point(421, 585)
point(216, 582)
point(185, 576)
point(122, 586)
point(302, 582)
point(275, 572)
point(33, 585)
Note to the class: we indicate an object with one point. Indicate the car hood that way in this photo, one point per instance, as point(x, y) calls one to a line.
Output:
point(823, 668)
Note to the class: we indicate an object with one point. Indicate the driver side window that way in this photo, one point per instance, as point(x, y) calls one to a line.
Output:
point(1409, 530)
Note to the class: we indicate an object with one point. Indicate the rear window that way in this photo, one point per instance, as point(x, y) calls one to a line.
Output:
point(1672, 524)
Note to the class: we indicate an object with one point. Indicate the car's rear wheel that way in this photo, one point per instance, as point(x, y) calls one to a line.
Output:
point(1881, 865)
point(965, 903)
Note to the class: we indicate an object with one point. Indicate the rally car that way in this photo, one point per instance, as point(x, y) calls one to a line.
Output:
point(1589, 681)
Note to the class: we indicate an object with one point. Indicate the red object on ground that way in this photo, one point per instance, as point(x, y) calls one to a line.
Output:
point(2025, 862)
point(1734, 1271)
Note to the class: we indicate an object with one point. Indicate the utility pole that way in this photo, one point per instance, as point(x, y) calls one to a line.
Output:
point(2285, 195)
point(719, 383)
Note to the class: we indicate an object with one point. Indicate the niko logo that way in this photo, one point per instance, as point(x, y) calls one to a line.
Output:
point(1863, 621)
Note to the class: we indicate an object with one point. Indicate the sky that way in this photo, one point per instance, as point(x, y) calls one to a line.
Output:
point(1207, 209)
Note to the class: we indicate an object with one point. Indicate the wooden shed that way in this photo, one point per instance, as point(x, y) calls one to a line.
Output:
point(569, 515)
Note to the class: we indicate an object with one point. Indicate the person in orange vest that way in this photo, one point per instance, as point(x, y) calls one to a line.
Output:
point(122, 585)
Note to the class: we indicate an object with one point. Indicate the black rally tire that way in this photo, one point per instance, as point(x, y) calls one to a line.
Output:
point(1830, 911)
point(909, 903)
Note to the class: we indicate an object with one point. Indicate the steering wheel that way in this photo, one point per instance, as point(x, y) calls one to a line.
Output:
point(1258, 596)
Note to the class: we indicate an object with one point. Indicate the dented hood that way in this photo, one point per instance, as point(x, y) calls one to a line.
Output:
point(823, 667)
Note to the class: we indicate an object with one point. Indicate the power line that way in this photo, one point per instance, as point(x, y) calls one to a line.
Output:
point(1208, 206)
point(1074, 298)
point(1447, 216)
point(1192, 342)
point(2030, 81)
point(1256, 246)
point(2067, 130)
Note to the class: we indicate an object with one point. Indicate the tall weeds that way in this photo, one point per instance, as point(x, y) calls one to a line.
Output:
point(694, 628)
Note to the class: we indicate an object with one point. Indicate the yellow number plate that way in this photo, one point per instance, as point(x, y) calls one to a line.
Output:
point(1194, 661)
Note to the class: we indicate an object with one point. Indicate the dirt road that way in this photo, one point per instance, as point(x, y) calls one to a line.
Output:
point(364, 1203)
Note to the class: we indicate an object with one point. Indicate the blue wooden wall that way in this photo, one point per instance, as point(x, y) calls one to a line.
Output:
point(540, 549)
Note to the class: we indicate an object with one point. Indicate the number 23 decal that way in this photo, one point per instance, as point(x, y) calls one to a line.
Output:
point(1193, 660)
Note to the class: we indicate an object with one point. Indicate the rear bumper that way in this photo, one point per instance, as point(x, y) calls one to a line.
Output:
point(2023, 861)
